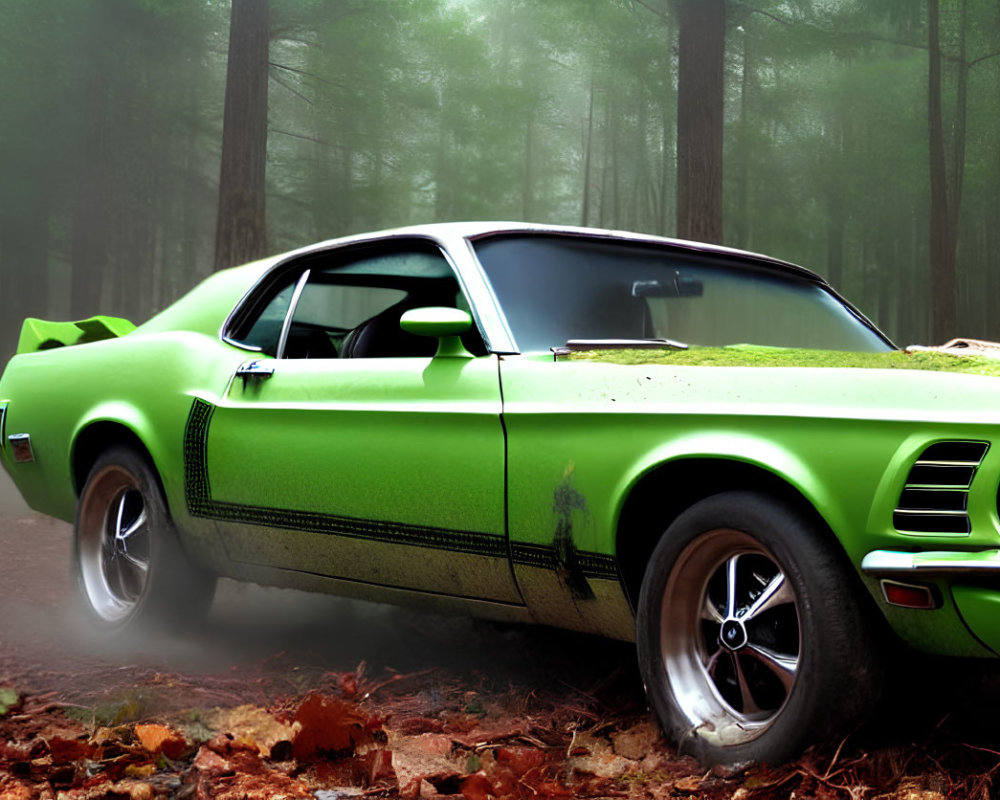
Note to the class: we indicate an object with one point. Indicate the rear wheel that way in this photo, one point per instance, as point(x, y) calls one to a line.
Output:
point(752, 641)
point(129, 564)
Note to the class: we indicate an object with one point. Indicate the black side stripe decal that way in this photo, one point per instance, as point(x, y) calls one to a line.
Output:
point(198, 497)
point(591, 565)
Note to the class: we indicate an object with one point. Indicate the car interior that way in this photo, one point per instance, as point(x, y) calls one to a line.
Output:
point(352, 310)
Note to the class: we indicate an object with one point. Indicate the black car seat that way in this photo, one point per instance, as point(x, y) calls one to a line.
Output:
point(381, 337)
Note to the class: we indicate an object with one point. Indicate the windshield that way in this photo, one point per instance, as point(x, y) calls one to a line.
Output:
point(555, 288)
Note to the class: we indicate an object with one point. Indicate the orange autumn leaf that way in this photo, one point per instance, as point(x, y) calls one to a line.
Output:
point(159, 739)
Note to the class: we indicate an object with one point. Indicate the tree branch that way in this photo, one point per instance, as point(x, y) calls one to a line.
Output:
point(292, 89)
point(791, 23)
point(305, 138)
point(983, 58)
point(298, 71)
point(659, 12)
point(763, 13)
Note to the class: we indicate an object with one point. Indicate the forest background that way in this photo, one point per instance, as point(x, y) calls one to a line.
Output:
point(860, 138)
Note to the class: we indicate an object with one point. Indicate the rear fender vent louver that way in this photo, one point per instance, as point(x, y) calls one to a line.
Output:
point(935, 498)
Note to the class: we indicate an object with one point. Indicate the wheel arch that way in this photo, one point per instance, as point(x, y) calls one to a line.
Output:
point(667, 489)
point(97, 437)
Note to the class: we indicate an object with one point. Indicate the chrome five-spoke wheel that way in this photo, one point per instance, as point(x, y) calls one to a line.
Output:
point(130, 565)
point(729, 635)
point(751, 629)
point(114, 544)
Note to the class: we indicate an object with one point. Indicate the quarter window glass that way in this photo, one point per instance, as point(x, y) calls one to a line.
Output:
point(265, 331)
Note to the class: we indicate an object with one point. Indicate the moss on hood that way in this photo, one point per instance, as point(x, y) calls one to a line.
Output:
point(758, 356)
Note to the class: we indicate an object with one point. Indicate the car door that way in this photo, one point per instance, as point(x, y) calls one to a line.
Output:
point(354, 454)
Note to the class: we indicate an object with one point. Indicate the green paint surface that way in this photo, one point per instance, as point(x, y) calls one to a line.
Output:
point(41, 334)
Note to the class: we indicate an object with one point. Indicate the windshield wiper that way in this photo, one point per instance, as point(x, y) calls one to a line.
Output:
point(578, 345)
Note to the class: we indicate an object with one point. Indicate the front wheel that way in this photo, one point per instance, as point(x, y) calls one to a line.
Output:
point(129, 564)
point(752, 639)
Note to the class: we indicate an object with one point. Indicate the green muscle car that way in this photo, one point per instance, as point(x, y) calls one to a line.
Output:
point(702, 450)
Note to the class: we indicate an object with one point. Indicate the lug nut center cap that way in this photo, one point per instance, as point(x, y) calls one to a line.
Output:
point(733, 635)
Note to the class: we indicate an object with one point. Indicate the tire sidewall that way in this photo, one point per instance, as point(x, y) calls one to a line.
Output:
point(173, 585)
point(831, 673)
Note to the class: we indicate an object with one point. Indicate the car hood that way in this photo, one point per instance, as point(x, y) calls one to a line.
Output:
point(789, 391)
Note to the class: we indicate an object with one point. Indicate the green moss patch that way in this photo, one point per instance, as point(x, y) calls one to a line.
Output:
point(757, 356)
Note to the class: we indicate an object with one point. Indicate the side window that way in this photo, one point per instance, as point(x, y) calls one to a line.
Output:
point(328, 314)
point(264, 333)
point(350, 304)
point(339, 307)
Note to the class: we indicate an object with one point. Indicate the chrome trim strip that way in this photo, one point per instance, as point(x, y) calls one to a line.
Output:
point(943, 487)
point(251, 347)
point(888, 562)
point(930, 512)
point(922, 463)
point(286, 326)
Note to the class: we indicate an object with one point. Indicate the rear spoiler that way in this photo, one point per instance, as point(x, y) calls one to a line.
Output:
point(41, 334)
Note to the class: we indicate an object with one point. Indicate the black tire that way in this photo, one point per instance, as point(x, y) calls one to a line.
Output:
point(800, 663)
point(130, 568)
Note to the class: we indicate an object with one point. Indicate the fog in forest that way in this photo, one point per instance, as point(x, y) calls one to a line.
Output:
point(860, 138)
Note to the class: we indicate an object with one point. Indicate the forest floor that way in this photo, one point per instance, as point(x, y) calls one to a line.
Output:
point(283, 694)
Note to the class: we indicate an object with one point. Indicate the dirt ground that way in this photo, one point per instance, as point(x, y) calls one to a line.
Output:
point(284, 694)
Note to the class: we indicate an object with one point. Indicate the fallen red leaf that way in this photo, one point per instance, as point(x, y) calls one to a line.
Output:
point(477, 787)
point(210, 763)
point(66, 750)
point(330, 725)
point(21, 751)
point(520, 760)
point(413, 726)
point(552, 789)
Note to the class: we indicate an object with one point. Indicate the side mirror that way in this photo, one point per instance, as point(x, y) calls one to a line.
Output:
point(442, 323)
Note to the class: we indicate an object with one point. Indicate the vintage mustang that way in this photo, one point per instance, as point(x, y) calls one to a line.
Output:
point(703, 450)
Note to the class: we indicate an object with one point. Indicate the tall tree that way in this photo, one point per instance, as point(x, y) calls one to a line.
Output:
point(700, 99)
point(943, 234)
point(241, 233)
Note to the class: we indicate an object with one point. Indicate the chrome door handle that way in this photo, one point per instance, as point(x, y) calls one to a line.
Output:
point(260, 370)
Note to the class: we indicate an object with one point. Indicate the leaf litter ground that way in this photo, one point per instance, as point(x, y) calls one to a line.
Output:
point(282, 695)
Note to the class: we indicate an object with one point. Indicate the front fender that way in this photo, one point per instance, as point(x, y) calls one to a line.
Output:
point(782, 462)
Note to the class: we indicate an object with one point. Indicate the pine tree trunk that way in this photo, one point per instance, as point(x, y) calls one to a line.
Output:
point(700, 96)
point(942, 256)
point(241, 229)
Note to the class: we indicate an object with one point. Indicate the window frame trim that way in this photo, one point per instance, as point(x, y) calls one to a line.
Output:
point(455, 249)
point(286, 325)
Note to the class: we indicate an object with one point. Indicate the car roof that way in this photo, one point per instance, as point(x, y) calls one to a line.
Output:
point(474, 230)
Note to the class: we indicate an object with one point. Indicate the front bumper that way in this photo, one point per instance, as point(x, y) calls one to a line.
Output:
point(973, 579)
point(931, 563)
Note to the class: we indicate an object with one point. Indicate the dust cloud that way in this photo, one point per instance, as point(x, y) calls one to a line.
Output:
point(11, 502)
point(285, 637)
